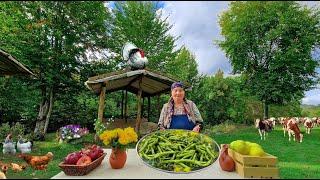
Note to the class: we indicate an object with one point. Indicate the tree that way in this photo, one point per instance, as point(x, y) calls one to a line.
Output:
point(271, 44)
point(184, 66)
point(213, 99)
point(51, 38)
point(139, 23)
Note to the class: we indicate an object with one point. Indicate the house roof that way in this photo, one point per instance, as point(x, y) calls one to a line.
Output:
point(10, 66)
point(152, 83)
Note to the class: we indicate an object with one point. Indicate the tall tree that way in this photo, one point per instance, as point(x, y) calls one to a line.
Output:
point(141, 24)
point(271, 43)
point(51, 38)
point(184, 66)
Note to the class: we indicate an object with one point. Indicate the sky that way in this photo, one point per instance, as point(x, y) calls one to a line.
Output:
point(197, 24)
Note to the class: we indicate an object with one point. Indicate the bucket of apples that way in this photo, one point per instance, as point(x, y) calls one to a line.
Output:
point(82, 162)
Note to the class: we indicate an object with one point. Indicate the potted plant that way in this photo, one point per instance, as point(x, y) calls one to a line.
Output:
point(118, 139)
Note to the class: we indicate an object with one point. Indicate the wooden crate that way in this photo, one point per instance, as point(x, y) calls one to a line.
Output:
point(254, 166)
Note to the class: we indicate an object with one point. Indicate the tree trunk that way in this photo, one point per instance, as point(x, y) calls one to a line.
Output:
point(266, 110)
point(44, 114)
point(49, 111)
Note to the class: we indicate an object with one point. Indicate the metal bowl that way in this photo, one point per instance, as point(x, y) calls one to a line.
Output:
point(216, 149)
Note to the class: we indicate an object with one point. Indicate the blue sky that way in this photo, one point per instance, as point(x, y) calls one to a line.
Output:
point(197, 24)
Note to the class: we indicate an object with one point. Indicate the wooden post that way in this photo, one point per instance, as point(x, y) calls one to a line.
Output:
point(122, 99)
point(138, 122)
point(101, 107)
point(101, 102)
point(142, 107)
point(149, 108)
point(126, 106)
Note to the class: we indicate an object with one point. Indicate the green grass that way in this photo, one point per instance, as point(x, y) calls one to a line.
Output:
point(295, 160)
point(41, 148)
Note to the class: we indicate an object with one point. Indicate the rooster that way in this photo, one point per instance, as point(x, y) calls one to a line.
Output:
point(37, 162)
point(134, 56)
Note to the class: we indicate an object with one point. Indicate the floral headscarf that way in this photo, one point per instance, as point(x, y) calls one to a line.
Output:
point(177, 84)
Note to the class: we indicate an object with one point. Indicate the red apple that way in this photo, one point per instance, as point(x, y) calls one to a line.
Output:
point(72, 158)
point(84, 160)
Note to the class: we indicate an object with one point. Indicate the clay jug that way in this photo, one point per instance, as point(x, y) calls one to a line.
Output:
point(117, 158)
point(225, 161)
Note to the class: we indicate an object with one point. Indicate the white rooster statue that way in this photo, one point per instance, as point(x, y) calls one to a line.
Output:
point(9, 145)
point(24, 147)
point(134, 56)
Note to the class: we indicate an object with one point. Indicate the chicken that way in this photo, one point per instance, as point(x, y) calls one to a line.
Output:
point(134, 56)
point(9, 145)
point(16, 167)
point(37, 162)
point(2, 175)
point(4, 169)
point(24, 147)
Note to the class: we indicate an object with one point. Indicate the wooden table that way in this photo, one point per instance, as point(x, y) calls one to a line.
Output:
point(135, 168)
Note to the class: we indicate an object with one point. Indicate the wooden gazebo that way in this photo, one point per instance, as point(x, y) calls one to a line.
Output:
point(10, 66)
point(143, 83)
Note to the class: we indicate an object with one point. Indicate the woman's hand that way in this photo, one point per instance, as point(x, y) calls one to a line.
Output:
point(196, 128)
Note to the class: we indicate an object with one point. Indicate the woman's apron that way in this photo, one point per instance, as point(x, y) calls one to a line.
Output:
point(181, 122)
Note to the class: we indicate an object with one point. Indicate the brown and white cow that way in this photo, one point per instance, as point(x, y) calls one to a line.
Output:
point(308, 124)
point(316, 121)
point(273, 121)
point(263, 126)
point(291, 126)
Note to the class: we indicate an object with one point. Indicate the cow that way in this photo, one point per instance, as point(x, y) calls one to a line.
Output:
point(316, 121)
point(291, 126)
point(281, 120)
point(263, 126)
point(308, 124)
point(273, 121)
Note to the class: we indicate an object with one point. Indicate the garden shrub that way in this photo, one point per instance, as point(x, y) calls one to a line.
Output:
point(16, 129)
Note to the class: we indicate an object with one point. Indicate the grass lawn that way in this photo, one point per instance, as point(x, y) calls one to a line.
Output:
point(41, 148)
point(296, 161)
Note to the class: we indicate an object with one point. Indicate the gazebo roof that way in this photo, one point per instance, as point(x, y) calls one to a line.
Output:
point(152, 83)
point(10, 66)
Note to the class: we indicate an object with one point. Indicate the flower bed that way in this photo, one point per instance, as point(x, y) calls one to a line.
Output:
point(72, 133)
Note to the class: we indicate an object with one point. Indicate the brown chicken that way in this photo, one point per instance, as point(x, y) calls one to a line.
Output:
point(16, 167)
point(4, 169)
point(37, 162)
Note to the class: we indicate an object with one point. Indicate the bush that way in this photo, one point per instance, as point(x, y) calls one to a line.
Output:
point(16, 129)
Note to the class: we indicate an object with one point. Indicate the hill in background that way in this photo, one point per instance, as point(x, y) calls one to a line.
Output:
point(310, 110)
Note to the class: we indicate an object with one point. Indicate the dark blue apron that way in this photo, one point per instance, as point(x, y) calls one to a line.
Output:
point(181, 122)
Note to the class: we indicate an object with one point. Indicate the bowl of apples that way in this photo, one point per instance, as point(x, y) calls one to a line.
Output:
point(82, 162)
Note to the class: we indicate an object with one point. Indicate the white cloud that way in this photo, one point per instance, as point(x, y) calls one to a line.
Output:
point(312, 97)
point(197, 24)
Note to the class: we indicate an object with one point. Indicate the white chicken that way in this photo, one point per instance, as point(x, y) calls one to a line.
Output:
point(24, 147)
point(134, 56)
point(9, 145)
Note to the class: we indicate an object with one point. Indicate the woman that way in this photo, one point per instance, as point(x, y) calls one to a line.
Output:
point(180, 113)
